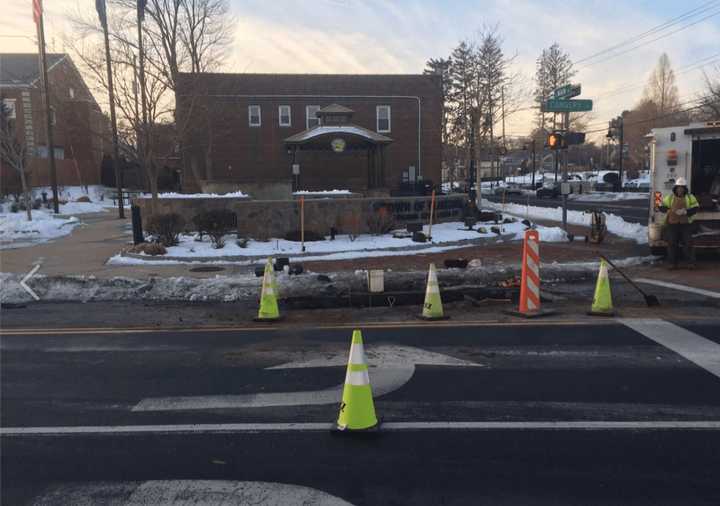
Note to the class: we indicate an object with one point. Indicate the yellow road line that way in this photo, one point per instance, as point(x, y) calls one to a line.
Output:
point(300, 326)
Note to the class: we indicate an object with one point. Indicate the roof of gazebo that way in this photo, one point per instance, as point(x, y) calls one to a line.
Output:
point(317, 131)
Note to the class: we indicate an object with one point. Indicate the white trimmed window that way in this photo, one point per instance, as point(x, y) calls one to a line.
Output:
point(285, 115)
point(311, 118)
point(254, 116)
point(383, 118)
point(10, 108)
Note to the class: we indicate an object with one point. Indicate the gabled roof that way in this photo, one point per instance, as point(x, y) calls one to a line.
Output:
point(23, 69)
point(335, 109)
point(318, 131)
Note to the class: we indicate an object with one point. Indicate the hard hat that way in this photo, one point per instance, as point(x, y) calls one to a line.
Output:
point(680, 182)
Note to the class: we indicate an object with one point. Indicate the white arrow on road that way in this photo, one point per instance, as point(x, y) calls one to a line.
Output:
point(390, 368)
point(183, 492)
point(26, 279)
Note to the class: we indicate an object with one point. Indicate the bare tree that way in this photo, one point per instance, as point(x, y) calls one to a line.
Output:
point(180, 36)
point(710, 98)
point(662, 88)
point(13, 152)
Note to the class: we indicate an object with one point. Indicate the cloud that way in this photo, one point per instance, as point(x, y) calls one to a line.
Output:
point(381, 36)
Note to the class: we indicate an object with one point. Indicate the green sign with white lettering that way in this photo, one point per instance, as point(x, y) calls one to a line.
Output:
point(568, 91)
point(556, 105)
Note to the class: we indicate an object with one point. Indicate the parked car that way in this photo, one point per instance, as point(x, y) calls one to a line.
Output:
point(508, 190)
point(551, 190)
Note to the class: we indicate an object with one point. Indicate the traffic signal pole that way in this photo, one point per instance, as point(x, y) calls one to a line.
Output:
point(565, 173)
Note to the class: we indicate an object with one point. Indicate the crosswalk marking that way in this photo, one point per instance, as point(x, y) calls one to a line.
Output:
point(684, 288)
point(689, 345)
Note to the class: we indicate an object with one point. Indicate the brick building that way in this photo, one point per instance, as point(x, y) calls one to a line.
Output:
point(269, 133)
point(79, 125)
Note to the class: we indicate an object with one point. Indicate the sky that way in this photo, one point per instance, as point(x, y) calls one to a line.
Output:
point(399, 36)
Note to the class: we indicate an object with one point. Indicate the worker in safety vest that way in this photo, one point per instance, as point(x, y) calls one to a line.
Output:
point(680, 207)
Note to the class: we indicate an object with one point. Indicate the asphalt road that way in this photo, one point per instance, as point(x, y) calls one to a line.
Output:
point(634, 211)
point(481, 414)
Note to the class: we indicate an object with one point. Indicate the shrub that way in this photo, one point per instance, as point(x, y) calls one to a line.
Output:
point(83, 198)
point(14, 207)
point(216, 223)
point(381, 221)
point(242, 242)
point(166, 227)
point(149, 248)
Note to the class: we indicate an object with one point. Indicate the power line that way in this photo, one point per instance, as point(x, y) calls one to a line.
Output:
point(698, 64)
point(659, 28)
point(662, 116)
point(645, 43)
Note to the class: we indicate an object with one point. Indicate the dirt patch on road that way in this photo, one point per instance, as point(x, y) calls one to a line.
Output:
point(505, 253)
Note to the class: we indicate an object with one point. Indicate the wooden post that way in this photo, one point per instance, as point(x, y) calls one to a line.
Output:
point(302, 223)
point(432, 212)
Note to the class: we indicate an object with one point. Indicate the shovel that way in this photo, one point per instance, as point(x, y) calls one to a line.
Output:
point(650, 300)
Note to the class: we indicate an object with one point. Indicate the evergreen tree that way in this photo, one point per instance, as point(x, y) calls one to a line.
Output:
point(554, 69)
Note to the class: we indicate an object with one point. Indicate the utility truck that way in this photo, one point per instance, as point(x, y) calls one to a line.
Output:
point(693, 152)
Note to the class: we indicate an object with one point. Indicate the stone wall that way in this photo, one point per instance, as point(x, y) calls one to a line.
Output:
point(273, 190)
point(276, 218)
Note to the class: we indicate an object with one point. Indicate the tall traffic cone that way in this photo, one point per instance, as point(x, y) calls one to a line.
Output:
point(357, 409)
point(432, 308)
point(268, 297)
point(602, 301)
point(530, 281)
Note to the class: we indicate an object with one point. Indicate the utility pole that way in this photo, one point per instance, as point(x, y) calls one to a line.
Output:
point(533, 164)
point(38, 16)
point(145, 134)
point(102, 13)
point(622, 149)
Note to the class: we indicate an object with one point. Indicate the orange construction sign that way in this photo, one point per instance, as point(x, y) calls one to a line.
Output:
point(530, 282)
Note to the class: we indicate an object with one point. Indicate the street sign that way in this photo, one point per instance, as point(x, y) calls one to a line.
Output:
point(556, 105)
point(568, 91)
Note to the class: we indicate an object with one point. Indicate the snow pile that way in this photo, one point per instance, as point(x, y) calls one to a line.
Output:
point(615, 224)
point(608, 196)
point(100, 198)
point(323, 192)
point(445, 237)
point(16, 231)
point(174, 195)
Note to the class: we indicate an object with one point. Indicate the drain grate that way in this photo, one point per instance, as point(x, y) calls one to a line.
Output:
point(207, 268)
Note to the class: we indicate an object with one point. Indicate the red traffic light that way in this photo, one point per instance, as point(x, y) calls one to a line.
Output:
point(555, 141)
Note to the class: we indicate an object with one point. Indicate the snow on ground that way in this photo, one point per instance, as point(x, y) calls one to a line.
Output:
point(615, 224)
point(100, 198)
point(608, 196)
point(174, 195)
point(16, 231)
point(446, 236)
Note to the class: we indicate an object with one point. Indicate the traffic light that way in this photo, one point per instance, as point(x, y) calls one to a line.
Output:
point(555, 141)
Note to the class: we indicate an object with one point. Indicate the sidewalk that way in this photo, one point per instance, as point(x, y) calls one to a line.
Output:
point(85, 252)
